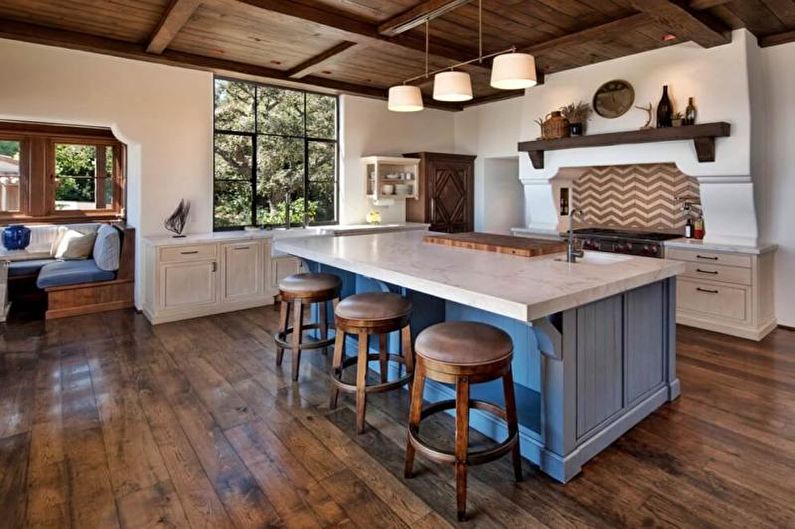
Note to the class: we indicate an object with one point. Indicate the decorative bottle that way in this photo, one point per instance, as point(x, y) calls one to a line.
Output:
point(689, 228)
point(690, 112)
point(665, 110)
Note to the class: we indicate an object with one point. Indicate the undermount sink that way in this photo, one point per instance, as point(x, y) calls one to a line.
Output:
point(600, 258)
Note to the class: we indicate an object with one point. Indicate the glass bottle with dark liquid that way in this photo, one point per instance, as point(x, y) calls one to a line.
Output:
point(665, 110)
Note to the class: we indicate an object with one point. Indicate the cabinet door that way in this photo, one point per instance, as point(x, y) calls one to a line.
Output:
point(451, 196)
point(241, 271)
point(188, 284)
point(283, 267)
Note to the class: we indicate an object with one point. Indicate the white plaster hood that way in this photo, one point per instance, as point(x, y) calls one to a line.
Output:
point(716, 77)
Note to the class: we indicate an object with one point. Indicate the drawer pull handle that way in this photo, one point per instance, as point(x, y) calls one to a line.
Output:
point(706, 290)
point(190, 253)
point(713, 272)
point(242, 247)
point(215, 267)
point(706, 257)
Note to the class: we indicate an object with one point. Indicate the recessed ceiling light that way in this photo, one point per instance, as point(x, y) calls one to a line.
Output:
point(668, 36)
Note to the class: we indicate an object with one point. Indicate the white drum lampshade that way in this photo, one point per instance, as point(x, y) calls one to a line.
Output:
point(512, 71)
point(405, 98)
point(452, 86)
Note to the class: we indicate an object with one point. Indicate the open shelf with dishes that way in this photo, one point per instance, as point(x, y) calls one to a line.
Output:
point(390, 178)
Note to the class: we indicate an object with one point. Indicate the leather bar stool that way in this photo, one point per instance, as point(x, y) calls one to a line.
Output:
point(364, 315)
point(463, 353)
point(300, 290)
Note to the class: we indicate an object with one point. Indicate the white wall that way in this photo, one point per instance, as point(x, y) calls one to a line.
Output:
point(774, 166)
point(503, 207)
point(368, 129)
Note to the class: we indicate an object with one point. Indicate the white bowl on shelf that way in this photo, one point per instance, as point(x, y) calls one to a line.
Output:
point(387, 189)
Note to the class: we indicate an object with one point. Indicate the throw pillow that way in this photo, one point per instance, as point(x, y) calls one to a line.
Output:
point(75, 245)
point(107, 248)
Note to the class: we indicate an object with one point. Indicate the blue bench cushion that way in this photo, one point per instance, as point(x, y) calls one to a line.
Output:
point(62, 273)
point(27, 268)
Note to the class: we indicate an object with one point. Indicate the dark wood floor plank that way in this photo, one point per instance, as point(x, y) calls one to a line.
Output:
point(237, 489)
point(48, 506)
point(91, 500)
point(110, 422)
point(13, 471)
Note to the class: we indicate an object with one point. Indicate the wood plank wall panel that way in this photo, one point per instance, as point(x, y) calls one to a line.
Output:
point(128, 20)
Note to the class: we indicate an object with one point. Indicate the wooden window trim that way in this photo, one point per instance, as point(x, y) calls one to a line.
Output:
point(37, 170)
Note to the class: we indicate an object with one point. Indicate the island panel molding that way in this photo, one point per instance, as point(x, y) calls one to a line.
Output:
point(702, 135)
point(635, 196)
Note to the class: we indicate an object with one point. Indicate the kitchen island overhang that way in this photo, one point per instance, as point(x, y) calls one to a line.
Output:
point(595, 343)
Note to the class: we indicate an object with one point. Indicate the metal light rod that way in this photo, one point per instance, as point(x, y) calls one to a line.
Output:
point(457, 65)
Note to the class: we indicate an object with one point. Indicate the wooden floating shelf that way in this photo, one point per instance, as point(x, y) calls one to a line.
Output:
point(703, 136)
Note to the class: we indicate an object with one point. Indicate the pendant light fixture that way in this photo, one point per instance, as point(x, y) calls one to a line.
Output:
point(510, 71)
point(405, 98)
point(513, 71)
point(452, 86)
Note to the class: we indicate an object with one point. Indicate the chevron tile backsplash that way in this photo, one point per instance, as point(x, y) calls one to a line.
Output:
point(636, 196)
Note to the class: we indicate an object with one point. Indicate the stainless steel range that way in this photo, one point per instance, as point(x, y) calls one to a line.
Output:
point(643, 243)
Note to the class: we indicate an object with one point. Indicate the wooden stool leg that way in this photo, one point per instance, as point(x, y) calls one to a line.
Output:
point(361, 382)
point(336, 368)
point(513, 422)
point(298, 325)
point(415, 414)
point(461, 443)
point(407, 351)
point(383, 359)
point(284, 320)
point(323, 317)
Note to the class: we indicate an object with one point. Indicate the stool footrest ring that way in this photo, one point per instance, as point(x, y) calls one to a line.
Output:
point(372, 388)
point(281, 338)
point(477, 457)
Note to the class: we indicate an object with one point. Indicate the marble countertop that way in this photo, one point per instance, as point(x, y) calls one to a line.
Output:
point(244, 235)
point(697, 244)
point(518, 287)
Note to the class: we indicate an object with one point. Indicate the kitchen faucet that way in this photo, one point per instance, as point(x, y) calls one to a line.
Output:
point(571, 253)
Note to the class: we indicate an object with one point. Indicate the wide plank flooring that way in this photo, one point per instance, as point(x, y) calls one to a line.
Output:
point(108, 422)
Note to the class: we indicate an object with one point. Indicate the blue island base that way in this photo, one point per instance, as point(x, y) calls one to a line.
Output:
point(583, 377)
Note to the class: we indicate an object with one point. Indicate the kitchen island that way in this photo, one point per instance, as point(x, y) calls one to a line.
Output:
point(594, 341)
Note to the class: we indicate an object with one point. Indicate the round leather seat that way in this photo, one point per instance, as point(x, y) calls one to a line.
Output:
point(373, 306)
point(309, 282)
point(463, 343)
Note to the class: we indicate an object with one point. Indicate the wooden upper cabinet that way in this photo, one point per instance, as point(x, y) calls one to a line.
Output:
point(447, 192)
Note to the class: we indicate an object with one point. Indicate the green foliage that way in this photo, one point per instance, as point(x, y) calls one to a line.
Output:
point(75, 167)
point(9, 148)
point(284, 120)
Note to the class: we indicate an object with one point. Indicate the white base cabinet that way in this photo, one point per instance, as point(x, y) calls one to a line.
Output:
point(190, 280)
point(725, 291)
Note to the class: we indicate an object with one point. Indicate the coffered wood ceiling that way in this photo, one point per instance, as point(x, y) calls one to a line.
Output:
point(352, 46)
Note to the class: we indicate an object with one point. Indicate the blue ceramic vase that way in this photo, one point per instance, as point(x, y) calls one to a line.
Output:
point(16, 237)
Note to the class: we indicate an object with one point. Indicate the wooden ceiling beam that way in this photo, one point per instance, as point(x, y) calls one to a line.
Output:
point(23, 31)
point(418, 15)
point(360, 30)
point(707, 4)
point(316, 62)
point(174, 18)
point(697, 26)
point(777, 38)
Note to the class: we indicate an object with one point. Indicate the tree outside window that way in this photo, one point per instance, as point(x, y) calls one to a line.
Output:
point(275, 152)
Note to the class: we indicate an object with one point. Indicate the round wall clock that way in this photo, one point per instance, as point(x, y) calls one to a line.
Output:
point(613, 99)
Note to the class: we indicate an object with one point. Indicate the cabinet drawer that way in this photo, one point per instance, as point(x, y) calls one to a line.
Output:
point(727, 274)
point(696, 256)
point(188, 253)
point(710, 299)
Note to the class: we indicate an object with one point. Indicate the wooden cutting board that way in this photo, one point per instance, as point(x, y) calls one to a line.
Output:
point(490, 242)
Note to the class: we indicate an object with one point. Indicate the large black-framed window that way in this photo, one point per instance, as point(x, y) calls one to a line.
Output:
point(275, 155)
